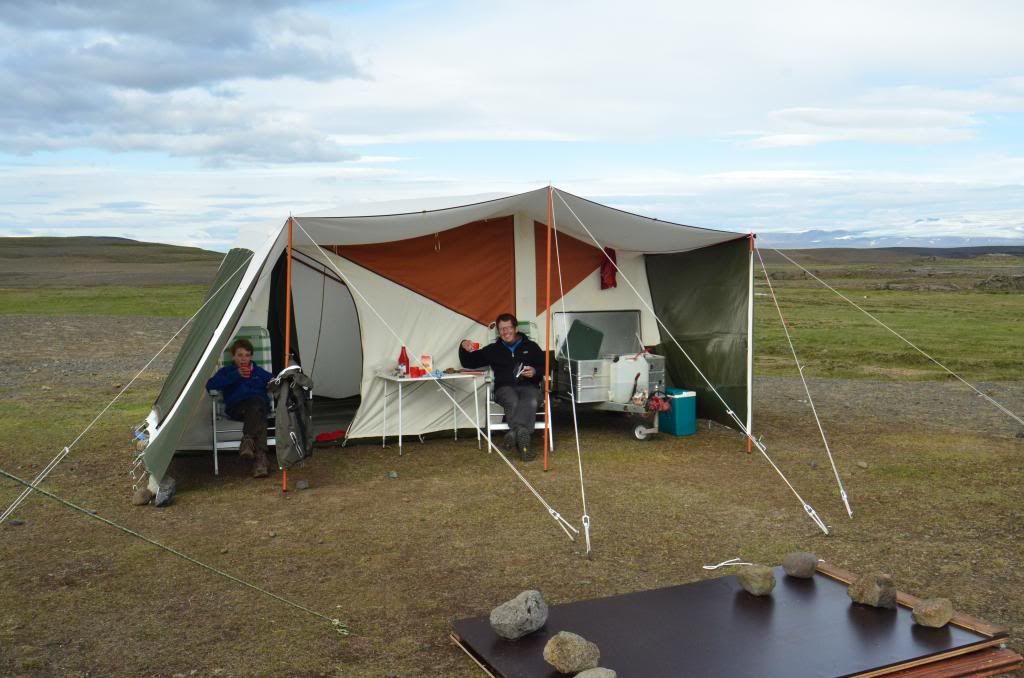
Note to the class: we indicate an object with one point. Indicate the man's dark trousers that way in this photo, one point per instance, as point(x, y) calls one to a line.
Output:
point(252, 412)
point(520, 405)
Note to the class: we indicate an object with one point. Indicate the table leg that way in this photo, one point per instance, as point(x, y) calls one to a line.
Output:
point(384, 431)
point(399, 418)
point(455, 415)
point(476, 411)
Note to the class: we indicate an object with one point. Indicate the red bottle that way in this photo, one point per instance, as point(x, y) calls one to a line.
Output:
point(403, 363)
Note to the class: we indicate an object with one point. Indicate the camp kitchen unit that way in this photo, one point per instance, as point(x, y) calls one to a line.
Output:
point(601, 362)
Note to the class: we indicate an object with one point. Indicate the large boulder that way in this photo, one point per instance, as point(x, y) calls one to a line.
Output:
point(570, 653)
point(875, 589)
point(524, 614)
point(758, 580)
point(934, 612)
point(800, 564)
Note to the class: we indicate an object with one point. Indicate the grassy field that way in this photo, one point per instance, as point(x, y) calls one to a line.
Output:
point(168, 301)
point(937, 500)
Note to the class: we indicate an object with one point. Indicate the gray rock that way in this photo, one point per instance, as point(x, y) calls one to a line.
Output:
point(800, 564)
point(392, 474)
point(875, 589)
point(934, 612)
point(15, 522)
point(862, 464)
point(142, 496)
point(524, 614)
point(570, 653)
point(758, 580)
point(599, 672)
point(301, 484)
point(165, 494)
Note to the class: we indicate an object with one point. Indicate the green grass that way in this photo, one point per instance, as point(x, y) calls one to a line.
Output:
point(974, 334)
point(175, 301)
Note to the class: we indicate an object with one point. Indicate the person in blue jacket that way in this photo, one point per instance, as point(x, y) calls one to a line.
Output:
point(244, 385)
point(518, 364)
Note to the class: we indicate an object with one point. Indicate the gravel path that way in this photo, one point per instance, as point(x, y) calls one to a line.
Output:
point(106, 351)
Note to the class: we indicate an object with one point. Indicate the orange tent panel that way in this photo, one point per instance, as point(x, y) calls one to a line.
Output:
point(469, 269)
point(578, 260)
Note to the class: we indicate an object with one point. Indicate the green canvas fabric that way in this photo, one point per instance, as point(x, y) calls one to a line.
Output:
point(702, 298)
point(158, 455)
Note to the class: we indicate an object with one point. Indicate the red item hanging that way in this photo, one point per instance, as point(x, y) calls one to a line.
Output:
point(608, 269)
point(403, 363)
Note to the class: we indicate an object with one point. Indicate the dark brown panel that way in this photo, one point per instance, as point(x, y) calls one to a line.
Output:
point(807, 627)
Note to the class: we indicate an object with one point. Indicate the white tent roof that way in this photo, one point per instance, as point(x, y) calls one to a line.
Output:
point(399, 220)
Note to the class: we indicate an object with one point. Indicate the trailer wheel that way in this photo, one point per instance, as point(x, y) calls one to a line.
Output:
point(640, 432)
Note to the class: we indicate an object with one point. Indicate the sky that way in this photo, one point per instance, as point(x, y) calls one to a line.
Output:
point(811, 123)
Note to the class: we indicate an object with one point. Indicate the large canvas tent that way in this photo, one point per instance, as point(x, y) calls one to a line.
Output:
point(431, 272)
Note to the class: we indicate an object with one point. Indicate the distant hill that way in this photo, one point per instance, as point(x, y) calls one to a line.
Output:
point(90, 261)
point(896, 255)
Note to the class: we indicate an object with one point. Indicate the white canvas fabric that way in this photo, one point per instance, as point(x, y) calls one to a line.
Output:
point(351, 344)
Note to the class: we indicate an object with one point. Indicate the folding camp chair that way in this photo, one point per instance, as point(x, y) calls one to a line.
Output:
point(227, 432)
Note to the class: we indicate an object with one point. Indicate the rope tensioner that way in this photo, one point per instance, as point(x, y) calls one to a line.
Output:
point(807, 389)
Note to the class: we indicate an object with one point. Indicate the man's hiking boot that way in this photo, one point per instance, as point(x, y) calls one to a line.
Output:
point(259, 465)
point(523, 444)
point(508, 443)
point(247, 448)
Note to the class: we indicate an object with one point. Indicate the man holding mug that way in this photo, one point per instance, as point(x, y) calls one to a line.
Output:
point(517, 364)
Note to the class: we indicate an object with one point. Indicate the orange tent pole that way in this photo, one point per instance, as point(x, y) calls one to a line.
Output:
point(547, 331)
point(287, 327)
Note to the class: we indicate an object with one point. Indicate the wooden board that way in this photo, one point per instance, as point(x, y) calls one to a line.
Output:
point(807, 627)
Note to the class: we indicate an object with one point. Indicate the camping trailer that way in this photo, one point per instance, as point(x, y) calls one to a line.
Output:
point(428, 273)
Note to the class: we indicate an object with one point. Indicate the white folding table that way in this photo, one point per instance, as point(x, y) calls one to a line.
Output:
point(412, 385)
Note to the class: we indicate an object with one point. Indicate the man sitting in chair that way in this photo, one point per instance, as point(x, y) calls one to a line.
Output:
point(244, 385)
point(517, 363)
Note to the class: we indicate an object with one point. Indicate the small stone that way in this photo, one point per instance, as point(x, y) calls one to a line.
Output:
point(862, 464)
point(814, 465)
point(15, 522)
point(45, 387)
point(875, 589)
point(273, 534)
point(570, 653)
point(142, 496)
point(800, 564)
point(301, 484)
point(392, 474)
point(165, 493)
point(520, 616)
point(224, 550)
point(934, 612)
point(599, 672)
point(758, 580)
point(1020, 434)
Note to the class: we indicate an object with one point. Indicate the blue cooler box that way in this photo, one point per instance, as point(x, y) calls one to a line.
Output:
point(681, 419)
